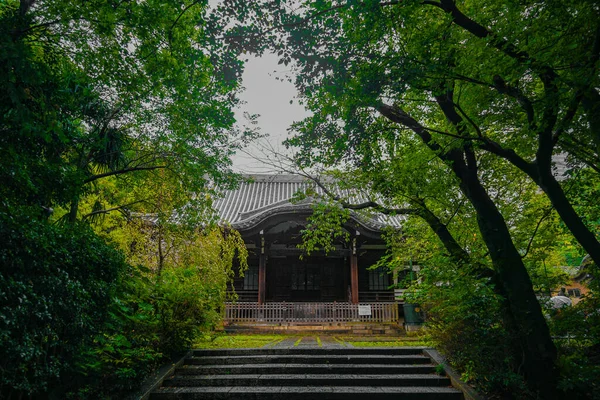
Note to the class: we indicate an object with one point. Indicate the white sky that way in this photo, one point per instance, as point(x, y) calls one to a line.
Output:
point(270, 98)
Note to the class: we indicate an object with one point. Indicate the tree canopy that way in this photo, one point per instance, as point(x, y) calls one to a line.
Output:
point(116, 122)
point(476, 84)
point(116, 125)
point(98, 89)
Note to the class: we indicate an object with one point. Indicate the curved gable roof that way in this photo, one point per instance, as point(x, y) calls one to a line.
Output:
point(266, 195)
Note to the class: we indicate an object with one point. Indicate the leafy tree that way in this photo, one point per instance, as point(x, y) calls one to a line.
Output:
point(464, 86)
point(450, 250)
point(98, 89)
point(101, 103)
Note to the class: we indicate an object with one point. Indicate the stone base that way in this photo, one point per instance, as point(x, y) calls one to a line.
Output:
point(343, 328)
point(413, 327)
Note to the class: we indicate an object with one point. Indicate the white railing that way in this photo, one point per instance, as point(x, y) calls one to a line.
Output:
point(310, 312)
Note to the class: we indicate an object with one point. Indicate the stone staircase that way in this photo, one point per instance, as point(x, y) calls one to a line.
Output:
point(307, 373)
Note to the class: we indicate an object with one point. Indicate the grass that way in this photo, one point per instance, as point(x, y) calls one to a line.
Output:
point(240, 341)
point(236, 341)
point(395, 343)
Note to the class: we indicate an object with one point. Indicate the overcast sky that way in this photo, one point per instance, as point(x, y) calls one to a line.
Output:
point(270, 98)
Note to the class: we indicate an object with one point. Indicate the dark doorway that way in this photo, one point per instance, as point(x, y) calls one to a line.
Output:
point(311, 279)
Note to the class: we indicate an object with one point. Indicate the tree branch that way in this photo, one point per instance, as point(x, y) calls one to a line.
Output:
point(24, 6)
point(108, 210)
point(502, 87)
point(192, 4)
point(568, 117)
point(546, 214)
point(122, 171)
point(546, 73)
point(396, 114)
point(360, 206)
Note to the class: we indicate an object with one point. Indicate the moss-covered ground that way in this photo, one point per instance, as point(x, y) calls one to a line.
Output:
point(224, 340)
point(234, 341)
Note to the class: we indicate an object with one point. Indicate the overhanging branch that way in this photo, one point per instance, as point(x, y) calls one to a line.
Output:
point(122, 171)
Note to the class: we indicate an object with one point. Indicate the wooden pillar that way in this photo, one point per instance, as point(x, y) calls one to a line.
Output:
point(354, 274)
point(262, 271)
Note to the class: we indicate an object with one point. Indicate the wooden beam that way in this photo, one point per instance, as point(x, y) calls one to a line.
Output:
point(262, 272)
point(354, 278)
point(354, 274)
point(262, 278)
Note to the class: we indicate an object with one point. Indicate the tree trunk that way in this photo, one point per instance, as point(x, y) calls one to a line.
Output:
point(548, 183)
point(74, 209)
point(441, 231)
point(539, 352)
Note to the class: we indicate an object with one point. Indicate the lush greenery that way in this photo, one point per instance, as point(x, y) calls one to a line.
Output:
point(453, 112)
point(116, 125)
point(56, 287)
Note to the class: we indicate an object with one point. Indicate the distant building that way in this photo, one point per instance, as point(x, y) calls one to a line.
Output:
point(270, 224)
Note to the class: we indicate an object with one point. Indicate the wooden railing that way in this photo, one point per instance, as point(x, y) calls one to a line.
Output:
point(376, 297)
point(309, 312)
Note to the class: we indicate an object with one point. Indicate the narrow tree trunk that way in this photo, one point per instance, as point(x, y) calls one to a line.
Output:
point(73, 210)
point(441, 231)
point(548, 183)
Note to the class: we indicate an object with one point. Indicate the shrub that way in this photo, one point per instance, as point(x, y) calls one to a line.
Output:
point(465, 321)
point(56, 283)
point(577, 333)
point(154, 316)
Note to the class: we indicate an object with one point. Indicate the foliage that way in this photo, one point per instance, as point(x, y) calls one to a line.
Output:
point(584, 189)
point(325, 227)
point(463, 307)
point(462, 310)
point(157, 314)
point(98, 89)
point(117, 114)
point(472, 89)
point(577, 330)
point(56, 284)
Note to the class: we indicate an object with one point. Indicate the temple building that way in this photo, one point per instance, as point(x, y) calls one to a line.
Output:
point(261, 210)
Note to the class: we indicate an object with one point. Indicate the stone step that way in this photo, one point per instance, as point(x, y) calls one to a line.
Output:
point(388, 351)
point(364, 369)
point(308, 392)
point(251, 380)
point(309, 359)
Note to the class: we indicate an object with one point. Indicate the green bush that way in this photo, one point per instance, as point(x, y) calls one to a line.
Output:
point(56, 283)
point(465, 321)
point(577, 334)
point(152, 319)
point(77, 321)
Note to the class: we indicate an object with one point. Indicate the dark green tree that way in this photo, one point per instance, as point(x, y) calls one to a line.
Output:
point(98, 89)
point(463, 81)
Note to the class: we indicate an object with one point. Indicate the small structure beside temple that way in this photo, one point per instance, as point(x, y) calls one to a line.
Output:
point(280, 286)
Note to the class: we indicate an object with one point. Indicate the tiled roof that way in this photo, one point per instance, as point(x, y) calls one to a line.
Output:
point(264, 195)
